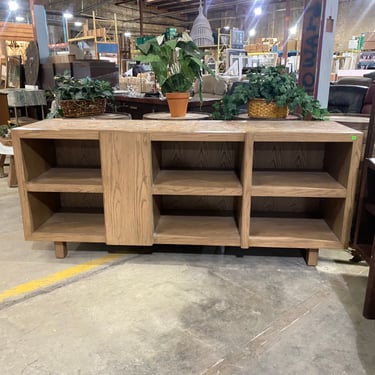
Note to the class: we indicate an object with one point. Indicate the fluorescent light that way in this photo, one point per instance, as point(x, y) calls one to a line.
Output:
point(226, 27)
point(20, 18)
point(127, 34)
point(67, 15)
point(13, 5)
point(293, 30)
point(252, 32)
point(258, 11)
point(77, 23)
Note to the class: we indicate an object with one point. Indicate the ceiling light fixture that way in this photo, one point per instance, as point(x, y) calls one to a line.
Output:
point(258, 11)
point(13, 5)
point(293, 30)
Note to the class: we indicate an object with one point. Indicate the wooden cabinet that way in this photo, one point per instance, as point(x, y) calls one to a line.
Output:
point(266, 184)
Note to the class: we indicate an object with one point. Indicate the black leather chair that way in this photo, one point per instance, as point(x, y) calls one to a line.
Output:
point(346, 98)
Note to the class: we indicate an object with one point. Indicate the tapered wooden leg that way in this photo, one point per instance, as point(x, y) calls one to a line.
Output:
point(2, 162)
point(61, 250)
point(311, 257)
point(369, 306)
point(12, 179)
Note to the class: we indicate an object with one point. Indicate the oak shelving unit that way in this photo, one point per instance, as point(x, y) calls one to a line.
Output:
point(265, 184)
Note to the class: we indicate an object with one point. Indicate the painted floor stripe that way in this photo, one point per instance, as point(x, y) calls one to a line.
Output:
point(31, 286)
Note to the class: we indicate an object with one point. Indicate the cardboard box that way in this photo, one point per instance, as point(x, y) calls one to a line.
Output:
point(57, 59)
point(370, 37)
point(292, 45)
point(369, 45)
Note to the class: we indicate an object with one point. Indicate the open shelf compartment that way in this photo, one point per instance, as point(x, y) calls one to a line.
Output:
point(297, 222)
point(62, 165)
point(73, 217)
point(196, 220)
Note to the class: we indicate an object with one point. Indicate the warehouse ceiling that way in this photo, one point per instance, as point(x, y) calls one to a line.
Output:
point(184, 9)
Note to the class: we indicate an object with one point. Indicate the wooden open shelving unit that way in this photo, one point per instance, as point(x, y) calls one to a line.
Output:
point(286, 184)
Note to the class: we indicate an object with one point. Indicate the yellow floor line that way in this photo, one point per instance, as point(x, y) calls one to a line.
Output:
point(32, 286)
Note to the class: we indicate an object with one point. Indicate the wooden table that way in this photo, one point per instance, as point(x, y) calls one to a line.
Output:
point(355, 121)
point(167, 116)
point(139, 106)
point(22, 98)
point(350, 118)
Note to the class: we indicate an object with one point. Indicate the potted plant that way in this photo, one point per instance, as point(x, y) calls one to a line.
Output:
point(176, 63)
point(270, 92)
point(79, 97)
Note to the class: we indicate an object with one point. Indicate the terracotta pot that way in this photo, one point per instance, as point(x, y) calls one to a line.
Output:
point(177, 103)
point(259, 108)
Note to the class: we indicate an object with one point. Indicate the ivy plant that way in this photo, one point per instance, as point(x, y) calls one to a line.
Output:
point(272, 83)
point(71, 88)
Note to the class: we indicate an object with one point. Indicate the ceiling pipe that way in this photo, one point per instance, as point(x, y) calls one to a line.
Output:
point(140, 6)
point(286, 31)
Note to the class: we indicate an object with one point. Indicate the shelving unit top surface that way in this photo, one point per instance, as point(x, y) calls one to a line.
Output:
point(210, 130)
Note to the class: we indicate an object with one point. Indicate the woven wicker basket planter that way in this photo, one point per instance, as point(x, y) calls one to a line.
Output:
point(259, 108)
point(83, 108)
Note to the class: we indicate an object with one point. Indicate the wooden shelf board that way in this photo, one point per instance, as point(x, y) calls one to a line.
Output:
point(197, 230)
point(182, 182)
point(81, 180)
point(296, 184)
point(292, 232)
point(72, 227)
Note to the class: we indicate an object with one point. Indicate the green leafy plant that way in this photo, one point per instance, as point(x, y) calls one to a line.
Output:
point(272, 84)
point(176, 62)
point(5, 130)
point(67, 88)
point(70, 88)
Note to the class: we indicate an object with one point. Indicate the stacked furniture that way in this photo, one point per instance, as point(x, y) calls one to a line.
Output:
point(286, 184)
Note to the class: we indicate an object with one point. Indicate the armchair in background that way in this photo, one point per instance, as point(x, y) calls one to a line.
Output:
point(350, 99)
point(212, 87)
point(346, 98)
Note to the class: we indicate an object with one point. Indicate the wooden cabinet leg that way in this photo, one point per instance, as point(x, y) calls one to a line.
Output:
point(311, 257)
point(61, 250)
point(12, 179)
point(2, 162)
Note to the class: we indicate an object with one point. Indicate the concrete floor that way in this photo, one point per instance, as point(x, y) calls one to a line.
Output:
point(179, 313)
